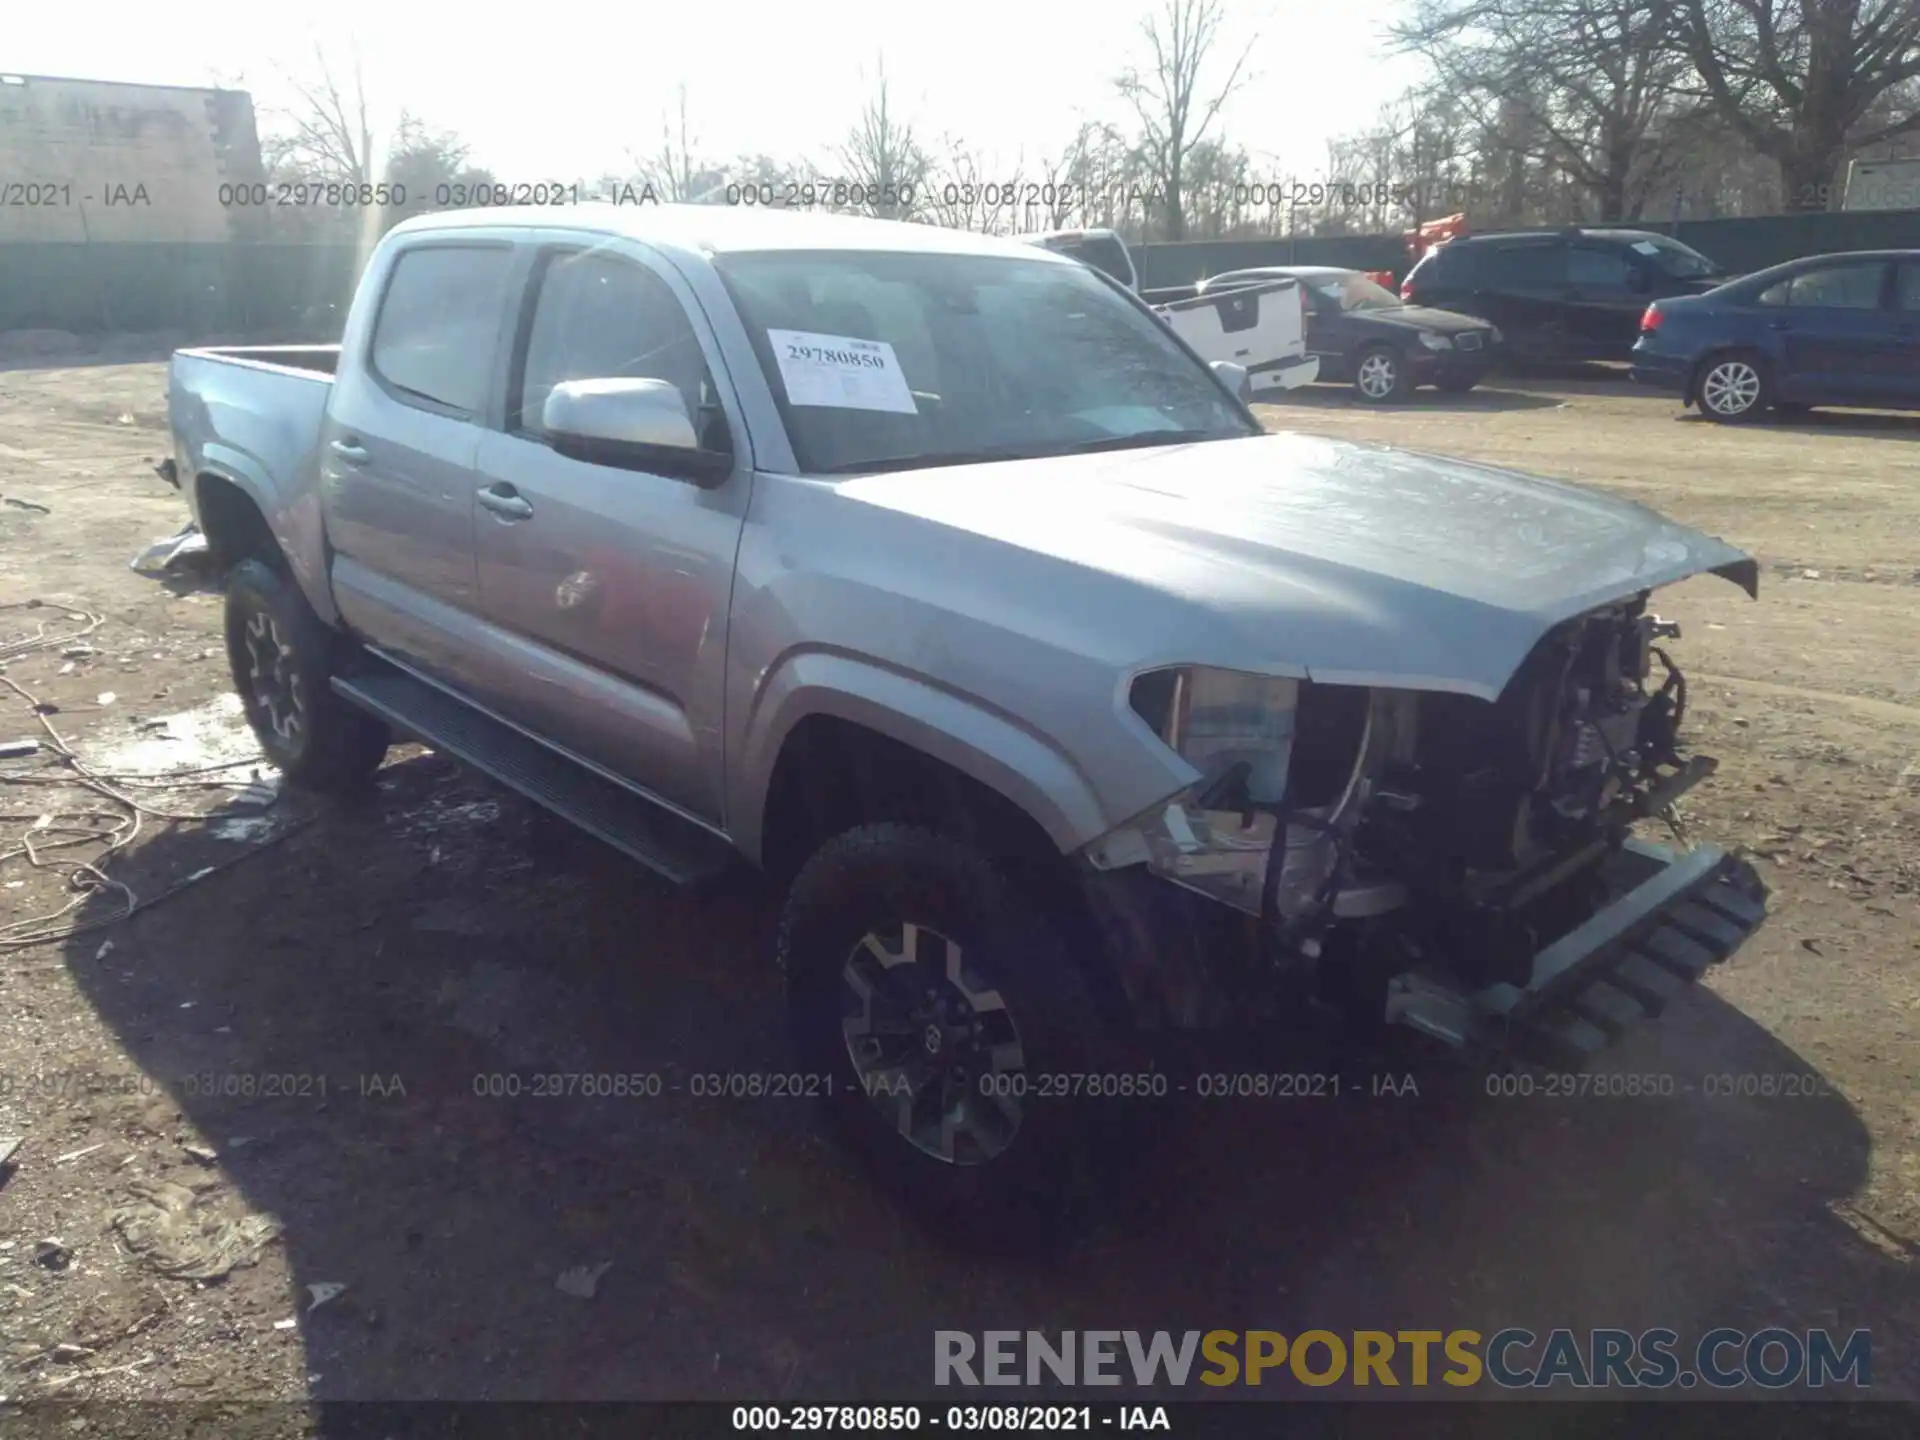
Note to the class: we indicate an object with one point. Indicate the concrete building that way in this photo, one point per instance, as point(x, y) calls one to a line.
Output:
point(100, 161)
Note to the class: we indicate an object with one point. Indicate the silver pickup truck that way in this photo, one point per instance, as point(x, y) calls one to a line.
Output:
point(1081, 723)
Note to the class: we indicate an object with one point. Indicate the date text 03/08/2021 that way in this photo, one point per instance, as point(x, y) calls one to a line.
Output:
point(959, 1419)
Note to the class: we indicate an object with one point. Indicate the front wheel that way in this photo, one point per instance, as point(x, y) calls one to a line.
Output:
point(281, 654)
point(1734, 388)
point(1381, 377)
point(950, 1037)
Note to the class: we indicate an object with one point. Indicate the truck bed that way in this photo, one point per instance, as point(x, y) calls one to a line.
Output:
point(307, 359)
point(251, 415)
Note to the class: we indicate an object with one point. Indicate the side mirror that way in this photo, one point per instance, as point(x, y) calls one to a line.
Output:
point(1233, 376)
point(634, 424)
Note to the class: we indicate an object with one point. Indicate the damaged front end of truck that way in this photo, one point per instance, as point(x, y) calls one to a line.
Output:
point(1465, 867)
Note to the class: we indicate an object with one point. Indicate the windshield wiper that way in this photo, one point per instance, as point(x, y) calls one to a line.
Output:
point(922, 462)
point(1139, 439)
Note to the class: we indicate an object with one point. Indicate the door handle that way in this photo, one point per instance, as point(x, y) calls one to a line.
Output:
point(349, 452)
point(505, 501)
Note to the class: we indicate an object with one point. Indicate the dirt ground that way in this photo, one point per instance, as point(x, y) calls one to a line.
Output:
point(273, 1075)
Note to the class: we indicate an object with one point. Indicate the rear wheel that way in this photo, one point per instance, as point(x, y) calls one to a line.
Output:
point(936, 1008)
point(1380, 376)
point(1734, 387)
point(281, 655)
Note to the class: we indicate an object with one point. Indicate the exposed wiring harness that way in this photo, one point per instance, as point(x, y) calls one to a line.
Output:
point(63, 823)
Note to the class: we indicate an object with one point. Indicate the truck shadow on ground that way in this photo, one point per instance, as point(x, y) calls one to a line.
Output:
point(356, 1016)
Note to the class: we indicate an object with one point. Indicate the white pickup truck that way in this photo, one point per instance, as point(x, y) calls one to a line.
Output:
point(1259, 328)
point(1075, 718)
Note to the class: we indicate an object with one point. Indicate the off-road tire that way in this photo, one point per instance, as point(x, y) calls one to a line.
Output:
point(1063, 1159)
point(330, 746)
point(1390, 366)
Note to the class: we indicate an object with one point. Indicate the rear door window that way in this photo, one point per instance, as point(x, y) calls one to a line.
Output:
point(1598, 268)
point(1910, 285)
point(1831, 287)
point(1454, 264)
point(433, 342)
point(1536, 266)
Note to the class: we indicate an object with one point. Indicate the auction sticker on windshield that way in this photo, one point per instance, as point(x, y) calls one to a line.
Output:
point(841, 372)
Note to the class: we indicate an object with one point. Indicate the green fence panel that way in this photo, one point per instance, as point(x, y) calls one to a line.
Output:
point(280, 291)
point(269, 291)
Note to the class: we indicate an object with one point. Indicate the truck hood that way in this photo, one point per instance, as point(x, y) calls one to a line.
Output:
point(1292, 554)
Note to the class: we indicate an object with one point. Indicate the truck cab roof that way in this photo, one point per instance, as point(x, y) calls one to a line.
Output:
point(724, 229)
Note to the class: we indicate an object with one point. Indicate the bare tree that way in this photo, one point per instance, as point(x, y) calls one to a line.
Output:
point(424, 164)
point(1168, 98)
point(964, 194)
point(1586, 88)
point(884, 159)
point(672, 173)
point(1803, 80)
point(328, 135)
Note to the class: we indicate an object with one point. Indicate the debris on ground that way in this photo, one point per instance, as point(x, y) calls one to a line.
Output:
point(205, 1154)
point(169, 1227)
point(17, 503)
point(323, 1291)
point(14, 749)
point(51, 1254)
point(172, 552)
point(582, 1280)
point(77, 1154)
point(9, 1146)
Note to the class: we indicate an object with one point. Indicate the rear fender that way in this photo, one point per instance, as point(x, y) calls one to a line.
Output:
point(295, 523)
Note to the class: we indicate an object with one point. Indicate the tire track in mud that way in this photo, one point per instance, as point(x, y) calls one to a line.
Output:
point(1890, 711)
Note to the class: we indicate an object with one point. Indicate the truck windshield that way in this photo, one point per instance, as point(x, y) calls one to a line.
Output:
point(897, 360)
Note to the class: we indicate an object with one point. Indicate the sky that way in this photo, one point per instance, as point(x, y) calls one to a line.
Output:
point(568, 89)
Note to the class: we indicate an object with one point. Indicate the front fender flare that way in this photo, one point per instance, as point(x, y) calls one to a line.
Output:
point(992, 748)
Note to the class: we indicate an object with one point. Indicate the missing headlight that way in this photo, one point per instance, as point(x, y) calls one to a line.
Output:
point(1280, 765)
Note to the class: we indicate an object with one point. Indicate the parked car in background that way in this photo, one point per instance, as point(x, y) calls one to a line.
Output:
point(1826, 330)
point(1365, 335)
point(1260, 327)
point(1561, 294)
point(1104, 250)
point(1261, 332)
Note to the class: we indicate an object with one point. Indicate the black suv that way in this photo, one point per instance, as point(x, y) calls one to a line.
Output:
point(1560, 294)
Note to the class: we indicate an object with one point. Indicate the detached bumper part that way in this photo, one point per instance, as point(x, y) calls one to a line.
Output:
point(1684, 913)
point(1283, 374)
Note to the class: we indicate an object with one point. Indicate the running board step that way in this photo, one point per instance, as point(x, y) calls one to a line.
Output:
point(664, 842)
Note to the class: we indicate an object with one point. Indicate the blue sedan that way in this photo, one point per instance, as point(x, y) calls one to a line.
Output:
point(1826, 330)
